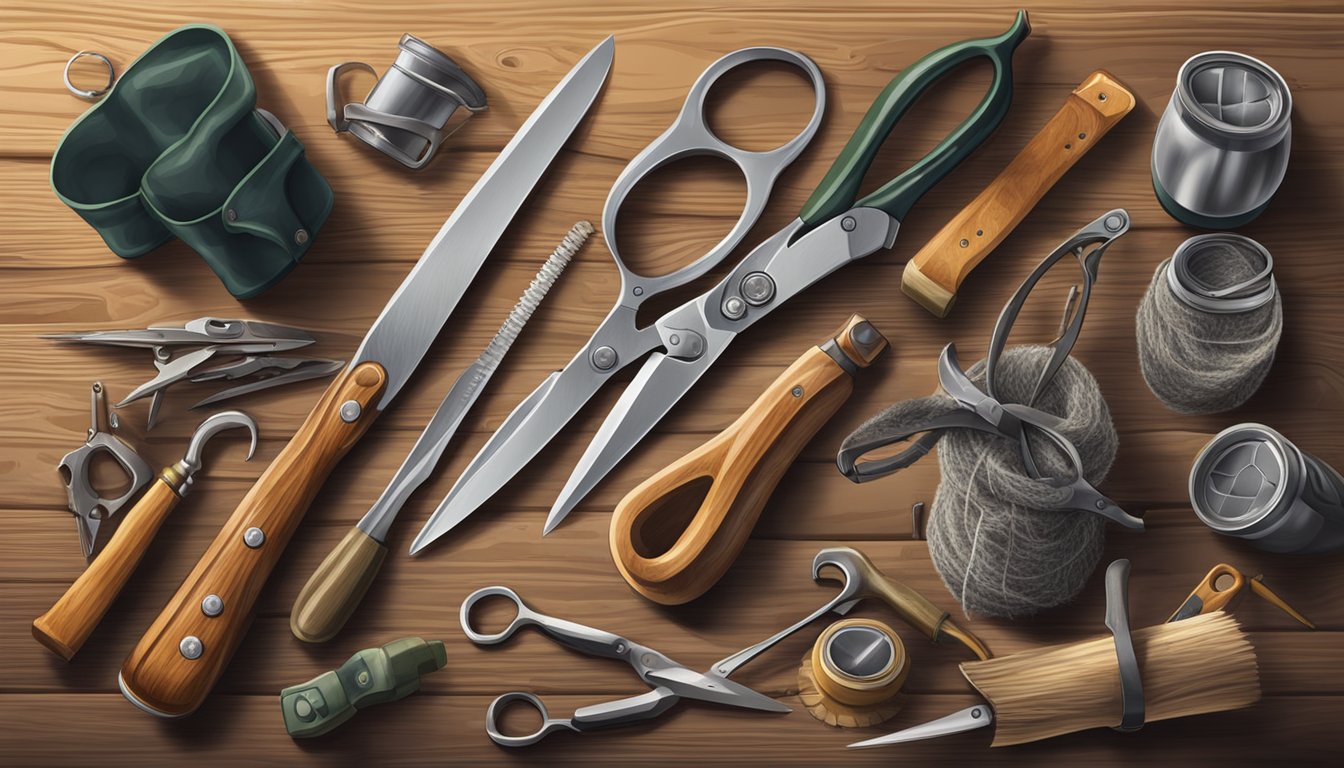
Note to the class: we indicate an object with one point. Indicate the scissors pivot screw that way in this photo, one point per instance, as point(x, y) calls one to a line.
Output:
point(758, 288)
point(734, 308)
point(1113, 223)
point(848, 224)
point(604, 358)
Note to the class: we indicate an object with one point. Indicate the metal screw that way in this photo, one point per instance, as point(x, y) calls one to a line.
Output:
point(638, 291)
point(758, 288)
point(965, 242)
point(350, 411)
point(301, 236)
point(1082, 135)
point(797, 391)
point(1113, 223)
point(603, 358)
point(674, 339)
point(620, 647)
point(1100, 504)
point(848, 223)
point(231, 214)
point(363, 678)
point(254, 537)
point(1101, 97)
point(212, 605)
point(191, 647)
point(734, 307)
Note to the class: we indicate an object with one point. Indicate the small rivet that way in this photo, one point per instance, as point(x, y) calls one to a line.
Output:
point(1113, 223)
point(620, 647)
point(1082, 135)
point(965, 242)
point(212, 605)
point(674, 339)
point(1068, 146)
point(363, 678)
point(301, 236)
point(604, 358)
point(734, 307)
point(797, 391)
point(975, 713)
point(254, 537)
point(1101, 97)
point(638, 291)
point(758, 288)
point(231, 214)
point(848, 223)
point(979, 233)
point(350, 411)
point(1100, 504)
point(191, 647)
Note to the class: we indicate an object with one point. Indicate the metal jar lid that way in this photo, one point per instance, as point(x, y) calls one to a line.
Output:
point(1187, 274)
point(1233, 101)
point(1244, 479)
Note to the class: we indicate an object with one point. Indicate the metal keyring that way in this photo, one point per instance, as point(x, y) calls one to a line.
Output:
point(81, 93)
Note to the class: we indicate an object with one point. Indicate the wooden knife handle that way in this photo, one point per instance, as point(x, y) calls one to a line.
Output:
point(736, 471)
point(68, 623)
point(334, 590)
point(933, 276)
point(159, 676)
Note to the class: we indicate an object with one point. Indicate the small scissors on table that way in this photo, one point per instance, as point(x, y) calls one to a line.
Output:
point(671, 680)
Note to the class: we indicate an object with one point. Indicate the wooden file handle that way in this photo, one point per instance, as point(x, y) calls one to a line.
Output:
point(933, 276)
point(68, 623)
point(738, 470)
point(159, 676)
point(336, 588)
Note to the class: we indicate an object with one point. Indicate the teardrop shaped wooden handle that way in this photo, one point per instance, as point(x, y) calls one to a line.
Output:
point(69, 622)
point(337, 586)
point(737, 471)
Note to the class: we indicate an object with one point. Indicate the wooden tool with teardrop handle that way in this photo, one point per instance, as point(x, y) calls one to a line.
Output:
point(933, 276)
point(708, 501)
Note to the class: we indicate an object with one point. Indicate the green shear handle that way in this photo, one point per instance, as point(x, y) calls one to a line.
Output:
point(839, 190)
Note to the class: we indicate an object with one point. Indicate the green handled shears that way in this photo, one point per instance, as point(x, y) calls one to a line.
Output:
point(835, 227)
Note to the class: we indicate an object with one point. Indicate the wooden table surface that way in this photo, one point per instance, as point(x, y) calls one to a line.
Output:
point(56, 275)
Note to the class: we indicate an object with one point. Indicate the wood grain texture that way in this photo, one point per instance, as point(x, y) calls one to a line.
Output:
point(159, 673)
point(56, 275)
point(934, 274)
point(675, 534)
point(67, 624)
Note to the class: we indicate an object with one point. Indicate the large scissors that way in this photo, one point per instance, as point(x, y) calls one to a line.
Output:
point(618, 341)
point(671, 681)
point(834, 228)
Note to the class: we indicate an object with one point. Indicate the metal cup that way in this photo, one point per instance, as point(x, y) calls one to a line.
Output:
point(1252, 483)
point(1222, 144)
point(406, 115)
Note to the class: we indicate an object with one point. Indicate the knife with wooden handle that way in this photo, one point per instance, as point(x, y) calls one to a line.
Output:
point(732, 476)
point(933, 276)
point(185, 650)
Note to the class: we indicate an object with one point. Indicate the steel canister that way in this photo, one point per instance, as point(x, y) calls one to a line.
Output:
point(1253, 483)
point(1222, 144)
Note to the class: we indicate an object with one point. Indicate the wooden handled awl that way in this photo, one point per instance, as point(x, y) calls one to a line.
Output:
point(68, 623)
point(706, 503)
point(933, 276)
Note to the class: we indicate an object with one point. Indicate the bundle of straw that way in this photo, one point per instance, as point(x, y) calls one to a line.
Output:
point(1202, 664)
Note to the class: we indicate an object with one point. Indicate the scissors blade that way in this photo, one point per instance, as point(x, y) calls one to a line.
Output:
point(690, 684)
point(173, 371)
point(528, 429)
point(966, 720)
point(660, 383)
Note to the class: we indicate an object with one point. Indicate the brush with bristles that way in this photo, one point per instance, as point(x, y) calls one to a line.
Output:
point(1199, 665)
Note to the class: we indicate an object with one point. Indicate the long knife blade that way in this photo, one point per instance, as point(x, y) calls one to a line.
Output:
point(417, 311)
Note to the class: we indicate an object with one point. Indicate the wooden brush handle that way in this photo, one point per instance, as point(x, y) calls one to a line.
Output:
point(933, 276)
point(334, 590)
point(158, 676)
point(742, 465)
point(68, 623)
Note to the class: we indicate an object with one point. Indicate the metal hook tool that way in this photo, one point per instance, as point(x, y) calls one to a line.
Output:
point(68, 623)
point(89, 508)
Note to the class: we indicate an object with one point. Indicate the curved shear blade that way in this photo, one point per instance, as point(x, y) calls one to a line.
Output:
point(660, 383)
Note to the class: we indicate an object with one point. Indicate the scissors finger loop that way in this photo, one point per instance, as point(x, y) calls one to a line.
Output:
point(547, 724)
point(522, 617)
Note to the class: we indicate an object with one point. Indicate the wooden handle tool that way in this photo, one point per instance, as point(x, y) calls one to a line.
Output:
point(171, 670)
point(732, 476)
point(68, 623)
point(1222, 586)
point(933, 276)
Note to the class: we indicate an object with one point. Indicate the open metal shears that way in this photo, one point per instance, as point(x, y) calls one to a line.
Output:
point(835, 228)
point(671, 680)
point(182, 352)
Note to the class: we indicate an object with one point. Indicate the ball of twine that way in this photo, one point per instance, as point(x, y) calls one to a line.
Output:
point(1001, 540)
point(1197, 361)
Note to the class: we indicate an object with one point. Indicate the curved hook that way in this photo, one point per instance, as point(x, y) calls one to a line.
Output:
point(211, 427)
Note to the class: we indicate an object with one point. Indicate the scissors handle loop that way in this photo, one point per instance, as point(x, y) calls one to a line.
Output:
point(690, 136)
point(839, 190)
point(547, 727)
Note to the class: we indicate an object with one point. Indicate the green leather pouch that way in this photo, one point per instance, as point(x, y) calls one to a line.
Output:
point(179, 149)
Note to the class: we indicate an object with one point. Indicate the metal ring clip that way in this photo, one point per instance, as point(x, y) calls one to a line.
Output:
point(1117, 620)
point(93, 95)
